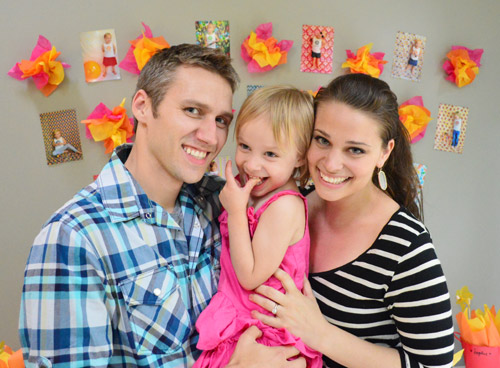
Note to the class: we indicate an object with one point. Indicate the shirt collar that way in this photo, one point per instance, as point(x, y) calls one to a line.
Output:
point(125, 199)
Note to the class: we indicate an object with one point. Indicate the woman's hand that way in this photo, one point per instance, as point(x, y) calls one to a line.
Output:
point(251, 354)
point(298, 313)
point(233, 196)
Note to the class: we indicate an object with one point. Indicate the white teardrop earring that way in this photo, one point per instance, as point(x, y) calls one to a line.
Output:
point(382, 179)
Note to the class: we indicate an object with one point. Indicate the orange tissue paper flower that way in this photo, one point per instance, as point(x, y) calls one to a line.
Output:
point(10, 358)
point(141, 50)
point(479, 333)
point(463, 65)
point(113, 127)
point(263, 52)
point(364, 62)
point(42, 67)
point(415, 117)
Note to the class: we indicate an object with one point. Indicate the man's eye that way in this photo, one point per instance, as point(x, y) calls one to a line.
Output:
point(192, 110)
point(222, 122)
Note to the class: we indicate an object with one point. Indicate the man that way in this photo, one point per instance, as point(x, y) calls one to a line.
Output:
point(118, 276)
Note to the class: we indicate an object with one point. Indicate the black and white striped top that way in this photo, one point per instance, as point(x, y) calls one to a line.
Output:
point(394, 294)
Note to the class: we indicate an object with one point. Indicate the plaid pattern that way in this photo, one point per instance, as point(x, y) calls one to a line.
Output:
point(113, 280)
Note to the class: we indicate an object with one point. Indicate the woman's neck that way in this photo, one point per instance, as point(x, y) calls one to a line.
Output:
point(350, 210)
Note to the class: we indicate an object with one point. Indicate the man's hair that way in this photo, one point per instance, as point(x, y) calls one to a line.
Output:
point(159, 71)
point(290, 113)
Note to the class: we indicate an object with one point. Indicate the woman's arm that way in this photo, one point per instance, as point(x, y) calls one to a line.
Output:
point(300, 314)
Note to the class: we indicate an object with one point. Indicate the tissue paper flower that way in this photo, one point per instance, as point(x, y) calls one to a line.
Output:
point(463, 65)
point(313, 93)
point(9, 358)
point(263, 52)
point(112, 127)
point(143, 47)
point(46, 71)
point(364, 62)
point(479, 333)
point(415, 117)
point(464, 297)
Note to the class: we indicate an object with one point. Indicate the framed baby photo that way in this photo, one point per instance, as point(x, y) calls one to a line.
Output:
point(61, 136)
point(213, 34)
point(100, 55)
point(451, 128)
point(408, 60)
point(317, 49)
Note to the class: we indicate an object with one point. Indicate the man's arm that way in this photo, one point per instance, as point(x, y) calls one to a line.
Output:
point(64, 317)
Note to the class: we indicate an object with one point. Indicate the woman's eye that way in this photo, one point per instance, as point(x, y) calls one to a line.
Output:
point(356, 150)
point(321, 140)
point(271, 154)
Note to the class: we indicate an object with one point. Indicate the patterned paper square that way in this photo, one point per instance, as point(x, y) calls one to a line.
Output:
point(251, 88)
point(65, 123)
point(421, 170)
point(317, 49)
point(401, 65)
point(446, 138)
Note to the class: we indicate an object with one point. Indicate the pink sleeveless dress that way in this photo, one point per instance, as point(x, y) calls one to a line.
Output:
point(228, 315)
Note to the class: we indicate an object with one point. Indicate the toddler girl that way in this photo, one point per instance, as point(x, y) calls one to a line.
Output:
point(264, 224)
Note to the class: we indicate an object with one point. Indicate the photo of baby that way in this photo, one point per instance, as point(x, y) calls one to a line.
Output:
point(213, 34)
point(61, 136)
point(100, 56)
point(408, 56)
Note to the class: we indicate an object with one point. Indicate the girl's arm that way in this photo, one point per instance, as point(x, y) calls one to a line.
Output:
point(255, 260)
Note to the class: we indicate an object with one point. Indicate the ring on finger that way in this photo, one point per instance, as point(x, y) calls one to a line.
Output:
point(275, 309)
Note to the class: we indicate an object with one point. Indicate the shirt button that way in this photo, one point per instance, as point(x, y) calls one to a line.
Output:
point(148, 215)
point(157, 292)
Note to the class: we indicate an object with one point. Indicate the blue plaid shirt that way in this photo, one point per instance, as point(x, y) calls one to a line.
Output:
point(113, 280)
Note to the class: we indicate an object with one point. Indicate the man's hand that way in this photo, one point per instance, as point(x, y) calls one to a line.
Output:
point(250, 354)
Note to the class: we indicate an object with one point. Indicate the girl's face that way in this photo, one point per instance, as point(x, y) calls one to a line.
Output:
point(258, 155)
point(57, 134)
point(211, 28)
point(107, 38)
point(345, 150)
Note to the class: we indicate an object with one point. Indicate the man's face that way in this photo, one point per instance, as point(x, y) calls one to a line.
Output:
point(191, 125)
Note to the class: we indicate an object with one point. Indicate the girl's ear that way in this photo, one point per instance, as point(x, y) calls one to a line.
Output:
point(386, 152)
point(141, 106)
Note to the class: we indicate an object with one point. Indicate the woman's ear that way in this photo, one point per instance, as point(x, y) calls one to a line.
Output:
point(141, 106)
point(386, 152)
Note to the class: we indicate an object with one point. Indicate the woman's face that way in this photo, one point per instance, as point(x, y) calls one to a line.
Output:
point(345, 150)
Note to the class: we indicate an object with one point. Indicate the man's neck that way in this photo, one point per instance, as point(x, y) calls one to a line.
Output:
point(158, 186)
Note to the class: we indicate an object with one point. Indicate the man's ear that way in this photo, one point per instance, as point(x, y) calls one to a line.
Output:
point(141, 106)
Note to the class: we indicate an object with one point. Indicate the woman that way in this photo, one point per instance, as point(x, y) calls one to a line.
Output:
point(381, 296)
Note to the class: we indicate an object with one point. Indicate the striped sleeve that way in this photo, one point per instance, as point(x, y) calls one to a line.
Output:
point(418, 300)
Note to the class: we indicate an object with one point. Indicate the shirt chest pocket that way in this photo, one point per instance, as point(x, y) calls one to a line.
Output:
point(158, 317)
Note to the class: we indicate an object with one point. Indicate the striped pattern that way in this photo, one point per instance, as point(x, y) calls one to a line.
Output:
point(394, 294)
point(113, 280)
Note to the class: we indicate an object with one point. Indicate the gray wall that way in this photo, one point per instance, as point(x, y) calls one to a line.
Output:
point(461, 191)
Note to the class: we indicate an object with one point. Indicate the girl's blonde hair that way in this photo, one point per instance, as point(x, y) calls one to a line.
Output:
point(291, 113)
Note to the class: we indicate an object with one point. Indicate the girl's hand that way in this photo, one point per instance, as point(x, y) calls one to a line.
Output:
point(233, 196)
point(298, 313)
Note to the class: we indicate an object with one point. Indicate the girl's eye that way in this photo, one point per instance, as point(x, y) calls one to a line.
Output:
point(243, 146)
point(356, 151)
point(270, 154)
point(321, 140)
